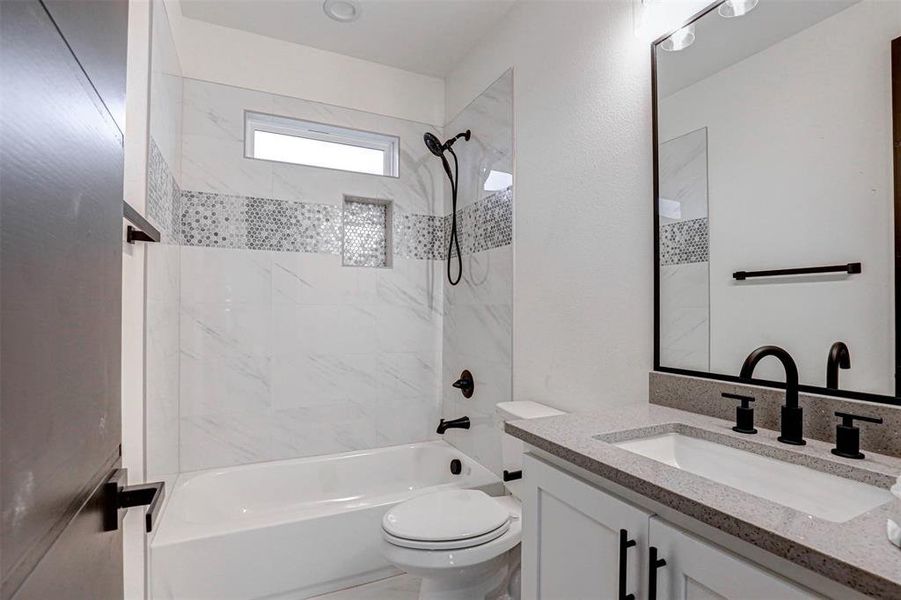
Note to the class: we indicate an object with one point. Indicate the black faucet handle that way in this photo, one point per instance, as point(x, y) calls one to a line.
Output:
point(744, 414)
point(465, 384)
point(745, 400)
point(847, 436)
point(848, 419)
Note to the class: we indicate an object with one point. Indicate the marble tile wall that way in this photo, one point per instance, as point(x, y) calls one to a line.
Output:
point(288, 354)
point(274, 348)
point(478, 312)
point(684, 253)
point(285, 352)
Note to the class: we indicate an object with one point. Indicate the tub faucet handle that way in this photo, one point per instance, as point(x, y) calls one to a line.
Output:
point(465, 384)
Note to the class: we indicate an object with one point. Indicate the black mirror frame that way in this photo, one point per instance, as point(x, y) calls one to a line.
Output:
point(810, 389)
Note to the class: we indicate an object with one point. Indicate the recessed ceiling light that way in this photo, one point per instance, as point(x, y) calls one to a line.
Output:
point(736, 8)
point(343, 11)
point(680, 40)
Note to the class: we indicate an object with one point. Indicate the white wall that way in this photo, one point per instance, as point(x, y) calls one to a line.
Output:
point(230, 56)
point(800, 175)
point(135, 185)
point(583, 243)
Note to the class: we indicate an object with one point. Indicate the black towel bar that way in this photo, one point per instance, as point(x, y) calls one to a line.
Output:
point(140, 229)
point(850, 268)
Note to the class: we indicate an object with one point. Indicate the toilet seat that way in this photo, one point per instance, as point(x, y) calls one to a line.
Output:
point(448, 520)
point(448, 544)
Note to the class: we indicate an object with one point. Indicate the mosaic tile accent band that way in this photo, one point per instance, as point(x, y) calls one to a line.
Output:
point(418, 236)
point(163, 196)
point(243, 222)
point(226, 221)
point(684, 242)
point(484, 224)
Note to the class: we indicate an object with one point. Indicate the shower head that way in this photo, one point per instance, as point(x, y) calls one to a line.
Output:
point(437, 148)
point(432, 143)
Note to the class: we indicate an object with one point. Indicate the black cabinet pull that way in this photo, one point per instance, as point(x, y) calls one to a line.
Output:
point(653, 565)
point(624, 544)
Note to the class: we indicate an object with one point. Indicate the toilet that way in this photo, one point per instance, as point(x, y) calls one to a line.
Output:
point(464, 544)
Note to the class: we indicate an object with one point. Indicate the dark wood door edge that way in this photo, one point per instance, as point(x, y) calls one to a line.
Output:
point(20, 572)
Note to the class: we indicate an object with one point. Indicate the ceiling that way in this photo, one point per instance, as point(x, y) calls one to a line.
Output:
point(723, 42)
point(423, 36)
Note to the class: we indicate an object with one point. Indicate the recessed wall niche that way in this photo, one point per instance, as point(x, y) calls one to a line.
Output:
point(367, 232)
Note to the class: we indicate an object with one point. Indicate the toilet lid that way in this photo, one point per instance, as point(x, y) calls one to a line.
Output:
point(446, 516)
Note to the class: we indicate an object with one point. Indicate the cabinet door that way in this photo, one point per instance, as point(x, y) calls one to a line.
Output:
point(697, 570)
point(571, 538)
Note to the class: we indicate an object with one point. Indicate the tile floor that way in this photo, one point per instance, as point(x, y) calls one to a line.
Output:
point(400, 587)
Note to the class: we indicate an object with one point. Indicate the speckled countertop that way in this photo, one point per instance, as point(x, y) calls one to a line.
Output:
point(855, 553)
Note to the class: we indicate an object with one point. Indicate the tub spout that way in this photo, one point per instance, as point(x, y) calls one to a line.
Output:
point(461, 423)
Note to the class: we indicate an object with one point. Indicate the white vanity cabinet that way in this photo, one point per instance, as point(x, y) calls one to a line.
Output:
point(697, 570)
point(572, 545)
point(573, 549)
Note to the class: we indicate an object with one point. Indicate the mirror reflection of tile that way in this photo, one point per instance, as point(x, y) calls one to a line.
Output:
point(684, 253)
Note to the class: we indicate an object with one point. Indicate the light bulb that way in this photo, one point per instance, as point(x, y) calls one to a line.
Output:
point(736, 8)
point(680, 40)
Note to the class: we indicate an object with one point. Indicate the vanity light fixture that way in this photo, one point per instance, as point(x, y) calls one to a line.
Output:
point(736, 8)
point(343, 11)
point(680, 40)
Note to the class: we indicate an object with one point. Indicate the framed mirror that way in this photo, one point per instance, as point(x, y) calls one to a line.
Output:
point(777, 220)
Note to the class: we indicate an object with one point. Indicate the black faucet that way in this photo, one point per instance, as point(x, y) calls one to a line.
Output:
point(839, 358)
point(461, 423)
point(792, 425)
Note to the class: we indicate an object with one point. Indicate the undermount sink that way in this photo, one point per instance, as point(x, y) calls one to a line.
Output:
point(804, 489)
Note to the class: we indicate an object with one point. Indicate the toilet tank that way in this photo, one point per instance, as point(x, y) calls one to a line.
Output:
point(511, 447)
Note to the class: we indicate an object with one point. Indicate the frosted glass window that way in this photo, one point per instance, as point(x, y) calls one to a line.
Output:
point(282, 139)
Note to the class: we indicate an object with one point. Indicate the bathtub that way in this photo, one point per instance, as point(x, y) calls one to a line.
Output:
point(294, 528)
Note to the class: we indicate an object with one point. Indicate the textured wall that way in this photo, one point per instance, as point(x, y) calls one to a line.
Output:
point(583, 223)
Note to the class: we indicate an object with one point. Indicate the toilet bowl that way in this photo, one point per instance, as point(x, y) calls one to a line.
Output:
point(464, 544)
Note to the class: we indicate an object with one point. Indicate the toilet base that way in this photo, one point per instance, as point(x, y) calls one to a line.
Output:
point(488, 581)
